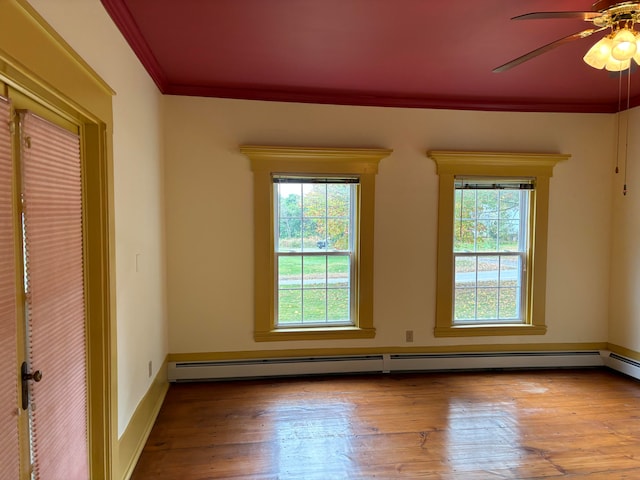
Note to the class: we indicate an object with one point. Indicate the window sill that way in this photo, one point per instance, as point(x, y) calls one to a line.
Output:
point(489, 330)
point(320, 333)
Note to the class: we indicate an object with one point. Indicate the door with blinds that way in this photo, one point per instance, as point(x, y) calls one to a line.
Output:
point(43, 395)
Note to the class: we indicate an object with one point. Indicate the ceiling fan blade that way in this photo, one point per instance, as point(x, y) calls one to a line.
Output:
point(586, 16)
point(549, 46)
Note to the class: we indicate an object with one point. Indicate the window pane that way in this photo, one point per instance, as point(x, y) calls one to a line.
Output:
point(488, 288)
point(314, 234)
point(290, 235)
point(488, 267)
point(487, 303)
point(315, 305)
point(509, 303)
point(289, 306)
point(509, 236)
point(487, 236)
point(465, 204)
point(465, 272)
point(464, 224)
point(315, 271)
point(314, 289)
point(338, 271)
point(464, 234)
point(289, 198)
point(487, 202)
point(489, 220)
point(339, 200)
point(289, 272)
point(510, 204)
point(509, 271)
point(338, 305)
point(338, 234)
point(315, 200)
point(465, 304)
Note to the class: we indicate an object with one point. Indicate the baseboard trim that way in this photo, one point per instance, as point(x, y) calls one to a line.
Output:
point(326, 352)
point(625, 352)
point(625, 364)
point(135, 436)
point(378, 363)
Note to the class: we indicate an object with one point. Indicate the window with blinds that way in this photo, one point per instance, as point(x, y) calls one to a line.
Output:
point(314, 211)
point(493, 216)
point(490, 249)
point(315, 250)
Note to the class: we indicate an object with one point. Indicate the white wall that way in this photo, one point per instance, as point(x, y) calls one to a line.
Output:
point(624, 322)
point(138, 192)
point(210, 225)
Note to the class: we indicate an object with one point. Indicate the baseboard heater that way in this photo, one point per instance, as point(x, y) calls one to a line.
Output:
point(384, 363)
point(502, 360)
point(274, 367)
point(622, 364)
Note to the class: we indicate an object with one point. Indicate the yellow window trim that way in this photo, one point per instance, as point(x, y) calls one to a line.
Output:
point(269, 160)
point(493, 164)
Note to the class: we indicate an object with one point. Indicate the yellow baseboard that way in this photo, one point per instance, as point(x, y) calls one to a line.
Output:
point(135, 436)
point(625, 352)
point(246, 355)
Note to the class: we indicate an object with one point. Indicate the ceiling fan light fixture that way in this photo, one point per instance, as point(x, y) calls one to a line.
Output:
point(599, 54)
point(614, 65)
point(624, 45)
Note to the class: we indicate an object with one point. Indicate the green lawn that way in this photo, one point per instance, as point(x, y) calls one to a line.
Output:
point(491, 301)
point(320, 305)
point(319, 301)
point(292, 265)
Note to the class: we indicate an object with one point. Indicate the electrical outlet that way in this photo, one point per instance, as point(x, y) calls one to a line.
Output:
point(150, 368)
point(409, 336)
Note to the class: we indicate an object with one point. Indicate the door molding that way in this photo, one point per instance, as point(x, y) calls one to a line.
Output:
point(36, 61)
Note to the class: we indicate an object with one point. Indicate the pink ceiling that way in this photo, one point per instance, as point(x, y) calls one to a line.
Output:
point(402, 53)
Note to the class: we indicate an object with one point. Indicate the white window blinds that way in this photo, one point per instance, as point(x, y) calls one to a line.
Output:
point(506, 183)
point(9, 450)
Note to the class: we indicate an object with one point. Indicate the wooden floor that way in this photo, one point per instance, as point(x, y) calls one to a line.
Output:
point(569, 424)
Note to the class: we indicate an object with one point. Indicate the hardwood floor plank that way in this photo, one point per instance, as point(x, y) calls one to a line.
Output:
point(569, 424)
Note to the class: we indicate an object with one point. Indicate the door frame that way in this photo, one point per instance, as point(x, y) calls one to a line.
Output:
point(36, 61)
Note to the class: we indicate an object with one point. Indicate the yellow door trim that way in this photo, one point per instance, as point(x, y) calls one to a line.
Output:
point(38, 63)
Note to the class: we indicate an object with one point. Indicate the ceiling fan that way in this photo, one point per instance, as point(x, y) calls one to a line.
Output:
point(613, 52)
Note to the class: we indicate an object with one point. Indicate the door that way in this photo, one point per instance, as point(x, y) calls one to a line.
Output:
point(10, 412)
point(49, 321)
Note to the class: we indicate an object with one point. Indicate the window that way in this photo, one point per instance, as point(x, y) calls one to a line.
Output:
point(492, 242)
point(490, 250)
point(313, 216)
point(315, 250)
